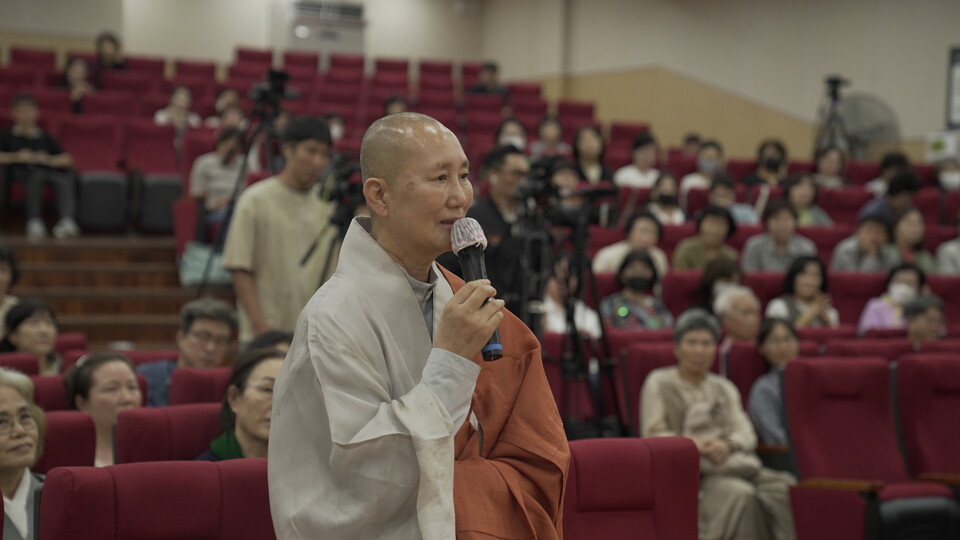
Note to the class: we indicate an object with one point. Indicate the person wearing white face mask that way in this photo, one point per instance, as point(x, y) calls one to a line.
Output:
point(948, 172)
point(710, 165)
point(904, 283)
point(511, 132)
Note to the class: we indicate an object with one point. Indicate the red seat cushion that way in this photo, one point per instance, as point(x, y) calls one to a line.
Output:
point(909, 490)
point(70, 441)
point(198, 385)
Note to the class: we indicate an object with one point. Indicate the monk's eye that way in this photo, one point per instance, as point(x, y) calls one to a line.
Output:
point(442, 178)
point(465, 176)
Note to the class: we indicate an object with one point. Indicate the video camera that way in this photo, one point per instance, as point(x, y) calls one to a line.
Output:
point(267, 95)
point(539, 194)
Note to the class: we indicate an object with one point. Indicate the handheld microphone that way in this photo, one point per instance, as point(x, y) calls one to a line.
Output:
point(468, 243)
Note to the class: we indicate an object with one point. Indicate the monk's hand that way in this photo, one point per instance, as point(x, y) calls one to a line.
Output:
point(468, 320)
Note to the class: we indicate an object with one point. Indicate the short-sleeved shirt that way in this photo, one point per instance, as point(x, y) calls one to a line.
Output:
point(13, 140)
point(211, 179)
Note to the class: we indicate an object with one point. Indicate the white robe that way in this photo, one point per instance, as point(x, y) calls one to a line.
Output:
point(365, 410)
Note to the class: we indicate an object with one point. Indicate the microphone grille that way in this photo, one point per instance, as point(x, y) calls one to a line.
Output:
point(467, 232)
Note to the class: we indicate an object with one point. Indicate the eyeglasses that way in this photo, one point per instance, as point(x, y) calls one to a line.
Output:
point(207, 338)
point(26, 421)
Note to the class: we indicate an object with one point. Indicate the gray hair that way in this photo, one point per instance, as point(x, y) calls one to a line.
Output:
point(723, 303)
point(18, 381)
point(695, 319)
point(921, 304)
point(207, 308)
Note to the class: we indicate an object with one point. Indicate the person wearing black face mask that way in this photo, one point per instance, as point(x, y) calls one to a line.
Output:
point(638, 305)
point(771, 165)
point(663, 200)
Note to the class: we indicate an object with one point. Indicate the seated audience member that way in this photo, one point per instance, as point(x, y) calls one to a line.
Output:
point(588, 155)
point(31, 328)
point(868, 250)
point(802, 193)
point(738, 311)
point(805, 301)
point(771, 165)
point(892, 164)
point(559, 293)
point(899, 196)
point(34, 158)
point(227, 99)
point(637, 306)
point(394, 105)
point(691, 144)
point(642, 231)
point(948, 257)
point(719, 275)
point(9, 276)
point(549, 141)
point(108, 57)
point(723, 194)
point(714, 226)
point(774, 250)
point(76, 80)
point(710, 165)
point(246, 407)
point(925, 319)
point(948, 174)
point(830, 164)
point(488, 81)
point(664, 204)
point(511, 132)
point(177, 113)
point(214, 176)
point(103, 384)
point(903, 284)
point(207, 329)
point(640, 173)
point(908, 234)
point(778, 345)
point(271, 339)
point(337, 125)
point(22, 429)
point(739, 498)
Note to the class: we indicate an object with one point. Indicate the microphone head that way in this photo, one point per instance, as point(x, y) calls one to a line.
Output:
point(467, 232)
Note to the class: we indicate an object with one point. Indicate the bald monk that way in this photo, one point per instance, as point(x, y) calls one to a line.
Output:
point(386, 422)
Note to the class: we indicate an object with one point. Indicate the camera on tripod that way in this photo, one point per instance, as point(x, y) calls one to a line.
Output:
point(268, 95)
point(834, 84)
point(561, 205)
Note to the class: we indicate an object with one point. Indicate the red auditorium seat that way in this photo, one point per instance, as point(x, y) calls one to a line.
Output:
point(198, 385)
point(796, 166)
point(743, 233)
point(477, 103)
point(926, 174)
point(844, 204)
point(51, 101)
point(301, 60)
point(70, 340)
point(766, 285)
point(823, 335)
point(851, 291)
point(248, 55)
point(637, 361)
point(200, 87)
point(606, 285)
point(394, 65)
point(345, 76)
point(681, 290)
point(93, 142)
point(890, 348)
point(349, 61)
point(738, 169)
point(571, 397)
point(615, 157)
point(177, 432)
point(948, 288)
point(184, 223)
point(148, 148)
point(632, 200)
point(885, 333)
point(33, 58)
point(153, 68)
point(697, 199)
point(138, 83)
point(49, 392)
point(632, 488)
point(196, 142)
point(252, 72)
point(681, 165)
point(22, 362)
point(482, 124)
point(626, 132)
point(470, 73)
point(195, 68)
point(111, 103)
point(744, 366)
point(151, 103)
point(850, 477)
point(602, 236)
point(673, 234)
point(70, 441)
point(432, 83)
point(528, 105)
point(928, 201)
point(519, 89)
point(620, 339)
point(826, 238)
point(572, 124)
point(861, 172)
point(575, 109)
point(435, 67)
point(88, 56)
point(215, 501)
point(928, 400)
point(18, 78)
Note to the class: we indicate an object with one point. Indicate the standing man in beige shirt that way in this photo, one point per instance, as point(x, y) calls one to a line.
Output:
point(268, 248)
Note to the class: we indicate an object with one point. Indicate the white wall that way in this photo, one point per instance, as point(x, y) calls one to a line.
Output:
point(67, 18)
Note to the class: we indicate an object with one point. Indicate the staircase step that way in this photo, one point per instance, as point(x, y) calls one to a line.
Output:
point(135, 328)
point(96, 274)
point(119, 301)
point(112, 249)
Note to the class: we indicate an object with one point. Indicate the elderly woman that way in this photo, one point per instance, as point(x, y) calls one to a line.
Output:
point(21, 429)
point(101, 385)
point(642, 231)
point(805, 301)
point(778, 344)
point(904, 283)
point(739, 498)
point(774, 250)
point(637, 305)
point(246, 407)
point(31, 328)
point(9, 275)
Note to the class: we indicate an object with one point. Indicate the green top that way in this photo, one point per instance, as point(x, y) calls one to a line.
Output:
point(227, 446)
point(691, 254)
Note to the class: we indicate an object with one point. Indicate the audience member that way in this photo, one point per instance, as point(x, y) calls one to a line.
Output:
point(664, 204)
point(337, 125)
point(177, 113)
point(908, 236)
point(719, 275)
point(9, 276)
point(511, 132)
point(868, 250)
point(565, 181)
point(228, 112)
point(925, 319)
point(102, 385)
point(642, 231)
point(214, 176)
point(34, 158)
point(948, 174)
point(588, 155)
point(640, 173)
point(246, 407)
point(714, 227)
point(710, 165)
point(691, 144)
point(891, 165)
point(778, 344)
point(830, 164)
point(76, 80)
point(774, 250)
point(723, 194)
point(108, 57)
point(637, 305)
point(948, 257)
point(903, 284)
point(394, 105)
point(31, 328)
point(805, 301)
point(739, 498)
point(22, 430)
point(276, 223)
point(899, 196)
point(549, 141)
point(802, 193)
point(738, 310)
point(273, 339)
point(559, 294)
point(771, 165)
point(207, 330)
point(488, 81)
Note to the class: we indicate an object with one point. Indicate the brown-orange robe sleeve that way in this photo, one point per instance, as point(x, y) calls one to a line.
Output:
point(513, 486)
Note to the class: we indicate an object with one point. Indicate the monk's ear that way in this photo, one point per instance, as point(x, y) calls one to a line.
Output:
point(375, 192)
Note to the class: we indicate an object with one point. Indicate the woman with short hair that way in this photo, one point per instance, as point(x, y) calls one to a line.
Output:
point(22, 429)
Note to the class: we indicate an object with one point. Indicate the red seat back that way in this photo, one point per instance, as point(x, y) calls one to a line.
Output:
point(948, 288)
point(111, 103)
point(154, 68)
point(33, 58)
point(70, 340)
point(738, 168)
point(639, 359)
point(70, 441)
point(826, 238)
point(301, 59)
point(166, 433)
point(148, 148)
point(890, 348)
point(681, 290)
point(843, 205)
point(217, 501)
point(861, 172)
point(766, 285)
point(198, 385)
point(117, 80)
point(744, 367)
point(92, 142)
point(823, 335)
point(607, 284)
point(928, 402)
point(632, 488)
point(851, 291)
point(22, 362)
point(195, 68)
point(49, 392)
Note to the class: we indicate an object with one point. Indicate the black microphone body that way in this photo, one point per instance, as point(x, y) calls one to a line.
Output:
point(474, 267)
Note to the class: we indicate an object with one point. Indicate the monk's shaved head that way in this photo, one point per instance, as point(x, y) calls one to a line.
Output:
point(392, 140)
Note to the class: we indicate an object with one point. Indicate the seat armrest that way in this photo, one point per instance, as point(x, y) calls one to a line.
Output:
point(942, 478)
point(843, 484)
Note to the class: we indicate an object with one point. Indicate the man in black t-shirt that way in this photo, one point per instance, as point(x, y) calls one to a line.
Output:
point(30, 155)
point(488, 82)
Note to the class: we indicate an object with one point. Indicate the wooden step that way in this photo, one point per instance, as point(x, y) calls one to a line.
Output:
point(119, 301)
point(135, 328)
point(111, 249)
point(88, 274)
